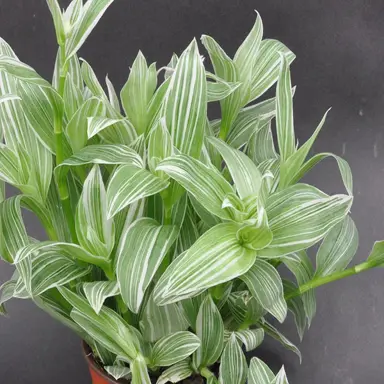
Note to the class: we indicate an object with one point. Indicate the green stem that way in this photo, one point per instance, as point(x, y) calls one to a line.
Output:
point(205, 372)
point(167, 216)
point(318, 281)
point(223, 133)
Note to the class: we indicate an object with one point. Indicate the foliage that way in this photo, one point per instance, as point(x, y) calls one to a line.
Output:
point(166, 229)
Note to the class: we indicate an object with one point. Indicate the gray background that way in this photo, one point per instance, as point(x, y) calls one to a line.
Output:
point(340, 50)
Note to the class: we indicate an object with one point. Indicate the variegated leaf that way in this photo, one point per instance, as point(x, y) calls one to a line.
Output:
point(210, 331)
point(376, 256)
point(118, 372)
point(300, 265)
point(130, 183)
point(185, 106)
point(141, 250)
point(204, 183)
point(97, 292)
point(267, 66)
point(58, 21)
point(173, 348)
point(259, 372)
point(176, 373)
point(233, 365)
point(97, 124)
point(281, 377)
point(264, 282)
point(95, 232)
point(338, 248)
point(261, 147)
point(300, 216)
point(220, 89)
point(139, 371)
point(107, 327)
point(251, 338)
point(244, 172)
point(91, 13)
point(73, 98)
point(270, 330)
point(215, 258)
point(112, 95)
point(138, 91)
point(284, 112)
point(160, 321)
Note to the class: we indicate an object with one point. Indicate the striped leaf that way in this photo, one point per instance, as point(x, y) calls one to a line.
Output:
point(204, 183)
point(118, 372)
point(95, 232)
point(300, 265)
point(73, 12)
point(77, 128)
point(259, 372)
point(300, 216)
point(107, 327)
point(271, 331)
point(191, 307)
point(138, 91)
point(233, 365)
point(57, 20)
point(41, 109)
point(244, 172)
point(48, 269)
point(376, 256)
point(91, 81)
point(176, 373)
point(292, 165)
point(255, 237)
point(141, 250)
point(97, 124)
point(247, 53)
point(7, 290)
point(261, 146)
point(344, 169)
point(22, 71)
point(185, 106)
point(73, 98)
point(215, 258)
point(160, 321)
point(8, 97)
point(226, 69)
point(112, 95)
point(129, 184)
point(69, 250)
point(10, 167)
point(296, 307)
point(139, 371)
point(338, 248)
point(210, 331)
point(14, 235)
point(173, 348)
point(249, 121)
point(97, 292)
point(284, 112)
point(267, 66)
point(281, 377)
point(159, 146)
point(264, 282)
point(92, 11)
point(220, 89)
point(99, 154)
point(251, 338)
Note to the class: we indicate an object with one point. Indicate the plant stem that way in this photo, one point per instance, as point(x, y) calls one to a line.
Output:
point(318, 281)
point(205, 372)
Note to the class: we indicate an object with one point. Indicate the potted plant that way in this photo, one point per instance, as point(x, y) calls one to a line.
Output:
point(167, 230)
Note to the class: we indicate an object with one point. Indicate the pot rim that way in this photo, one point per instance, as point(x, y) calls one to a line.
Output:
point(88, 355)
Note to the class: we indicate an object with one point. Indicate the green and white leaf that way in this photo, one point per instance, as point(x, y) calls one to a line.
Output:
point(233, 364)
point(95, 232)
point(204, 183)
point(265, 284)
point(141, 250)
point(128, 184)
point(185, 107)
point(251, 338)
point(173, 348)
point(215, 258)
point(210, 331)
point(176, 373)
point(97, 292)
point(118, 372)
point(259, 372)
point(338, 248)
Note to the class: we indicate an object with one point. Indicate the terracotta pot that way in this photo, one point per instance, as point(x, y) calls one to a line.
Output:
point(99, 376)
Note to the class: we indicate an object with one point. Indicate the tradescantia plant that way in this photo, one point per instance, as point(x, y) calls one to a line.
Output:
point(166, 229)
